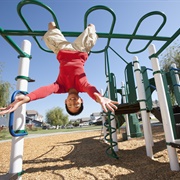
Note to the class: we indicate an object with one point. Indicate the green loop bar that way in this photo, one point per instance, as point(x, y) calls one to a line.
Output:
point(99, 7)
point(155, 34)
point(25, 2)
point(25, 77)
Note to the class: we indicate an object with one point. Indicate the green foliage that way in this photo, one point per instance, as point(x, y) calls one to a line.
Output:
point(4, 93)
point(5, 88)
point(170, 56)
point(55, 117)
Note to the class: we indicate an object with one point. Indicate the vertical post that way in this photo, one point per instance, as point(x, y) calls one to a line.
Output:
point(126, 115)
point(113, 122)
point(174, 165)
point(176, 82)
point(142, 101)
point(176, 75)
point(17, 145)
point(103, 121)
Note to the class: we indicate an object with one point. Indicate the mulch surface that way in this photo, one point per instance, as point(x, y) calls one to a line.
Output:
point(82, 155)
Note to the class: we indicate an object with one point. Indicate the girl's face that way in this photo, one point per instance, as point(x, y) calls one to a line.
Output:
point(73, 102)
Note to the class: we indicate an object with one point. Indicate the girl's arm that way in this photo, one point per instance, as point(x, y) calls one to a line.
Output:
point(40, 93)
point(19, 100)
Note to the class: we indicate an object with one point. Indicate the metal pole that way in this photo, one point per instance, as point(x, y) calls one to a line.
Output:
point(142, 102)
point(174, 165)
point(17, 146)
point(126, 115)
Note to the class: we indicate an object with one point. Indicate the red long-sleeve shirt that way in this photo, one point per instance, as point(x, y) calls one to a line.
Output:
point(71, 75)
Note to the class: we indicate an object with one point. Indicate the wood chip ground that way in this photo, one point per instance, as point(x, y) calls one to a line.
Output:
point(82, 156)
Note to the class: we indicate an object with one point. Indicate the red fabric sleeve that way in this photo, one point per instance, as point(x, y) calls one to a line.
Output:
point(43, 92)
point(91, 90)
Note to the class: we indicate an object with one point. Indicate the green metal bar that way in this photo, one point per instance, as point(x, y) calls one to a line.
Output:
point(27, 2)
point(112, 90)
point(107, 66)
point(99, 7)
point(110, 130)
point(155, 34)
point(118, 55)
point(11, 42)
point(173, 37)
point(75, 34)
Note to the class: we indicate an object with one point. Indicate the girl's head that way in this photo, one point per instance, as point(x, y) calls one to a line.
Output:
point(74, 104)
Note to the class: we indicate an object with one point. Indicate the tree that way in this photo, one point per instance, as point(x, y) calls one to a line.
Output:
point(171, 55)
point(56, 117)
point(4, 93)
point(5, 88)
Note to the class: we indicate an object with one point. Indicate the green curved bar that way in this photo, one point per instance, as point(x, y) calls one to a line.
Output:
point(11, 42)
point(155, 34)
point(26, 2)
point(100, 7)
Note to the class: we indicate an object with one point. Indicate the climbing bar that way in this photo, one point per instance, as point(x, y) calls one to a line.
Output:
point(99, 7)
point(15, 133)
point(27, 2)
point(75, 34)
point(155, 34)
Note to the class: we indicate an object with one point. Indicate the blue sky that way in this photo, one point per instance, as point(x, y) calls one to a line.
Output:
point(70, 15)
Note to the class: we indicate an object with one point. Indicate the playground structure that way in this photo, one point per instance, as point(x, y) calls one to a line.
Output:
point(131, 103)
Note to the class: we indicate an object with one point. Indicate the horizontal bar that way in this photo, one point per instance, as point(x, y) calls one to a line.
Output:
point(75, 34)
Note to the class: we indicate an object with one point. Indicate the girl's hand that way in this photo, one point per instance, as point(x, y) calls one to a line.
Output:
point(106, 103)
point(19, 100)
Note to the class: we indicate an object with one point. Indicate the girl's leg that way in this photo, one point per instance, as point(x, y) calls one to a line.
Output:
point(86, 40)
point(54, 39)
